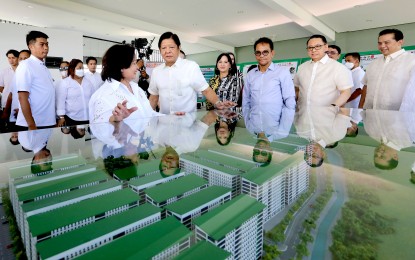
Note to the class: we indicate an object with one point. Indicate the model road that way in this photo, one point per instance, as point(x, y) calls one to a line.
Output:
point(295, 228)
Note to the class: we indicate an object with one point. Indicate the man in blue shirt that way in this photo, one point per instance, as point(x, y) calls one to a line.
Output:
point(268, 84)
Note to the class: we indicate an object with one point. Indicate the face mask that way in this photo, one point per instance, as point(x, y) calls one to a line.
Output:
point(349, 65)
point(64, 73)
point(79, 73)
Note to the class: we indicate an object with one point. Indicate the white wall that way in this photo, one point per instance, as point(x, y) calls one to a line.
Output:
point(66, 44)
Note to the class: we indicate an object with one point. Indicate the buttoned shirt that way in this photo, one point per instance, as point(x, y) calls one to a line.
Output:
point(272, 88)
point(177, 86)
point(94, 78)
point(72, 99)
point(389, 127)
point(408, 100)
point(323, 125)
point(6, 77)
point(32, 76)
point(386, 79)
point(183, 133)
point(275, 123)
point(106, 98)
point(357, 74)
point(320, 82)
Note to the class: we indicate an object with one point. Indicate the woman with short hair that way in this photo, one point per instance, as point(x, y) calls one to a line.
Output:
point(119, 97)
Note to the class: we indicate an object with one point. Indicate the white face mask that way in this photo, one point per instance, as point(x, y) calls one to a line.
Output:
point(349, 65)
point(64, 73)
point(79, 73)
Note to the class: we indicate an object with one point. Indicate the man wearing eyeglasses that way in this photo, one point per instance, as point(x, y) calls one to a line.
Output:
point(387, 77)
point(267, 85)
point(334, 52)
point(322, 81)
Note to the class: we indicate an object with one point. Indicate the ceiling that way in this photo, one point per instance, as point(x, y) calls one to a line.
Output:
point(208, 25)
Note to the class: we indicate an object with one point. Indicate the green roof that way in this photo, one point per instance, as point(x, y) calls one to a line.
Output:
point(54, 175)
point(157, 178)
point(59, 162)
point(51, 220)
point(224, 160)
point(197, 199)
point(144, 243)
point(227, 217)
point(209, 164)
point(74, 238)
point(27, 207)
point(137, 170)
point(174, 188)
point(70, 182)
point(260, 175)
point(203, 250)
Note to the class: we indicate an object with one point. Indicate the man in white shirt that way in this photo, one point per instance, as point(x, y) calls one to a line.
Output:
point(322, 81)
point(334, 52)
point(12, 104)
point(34, 85)
point(353, 63)
point(386, 77)
point(174, 85)
point(6, 77)
point(323, 127)
point(91, 74)
point(393, 130)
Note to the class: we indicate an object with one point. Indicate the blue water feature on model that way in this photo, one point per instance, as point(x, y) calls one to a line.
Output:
point(320, 248)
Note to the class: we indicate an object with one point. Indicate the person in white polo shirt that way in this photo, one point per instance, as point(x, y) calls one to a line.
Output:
point(174, 85)
point(386, 78)
point(91, 74)
point(322, 81)
point(34, 85)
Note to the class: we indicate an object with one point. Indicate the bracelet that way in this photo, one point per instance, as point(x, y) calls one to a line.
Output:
point(61, 117)
point(217, 102)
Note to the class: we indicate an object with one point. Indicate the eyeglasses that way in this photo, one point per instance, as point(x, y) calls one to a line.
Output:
point(63, 68)
point(317, 47)
point(260, 152)
point(332, 52)
point(264, 53)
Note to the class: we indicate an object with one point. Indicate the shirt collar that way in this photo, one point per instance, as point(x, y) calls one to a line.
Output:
point(178, 63)
point(390, 144)
point(322, 60)
point(396, 54)
point(41, 62)
point(114, 84)
point(322, 143)
point(272, 66)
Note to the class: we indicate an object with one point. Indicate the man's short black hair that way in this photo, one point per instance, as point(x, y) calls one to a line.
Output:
point(335, 47)
point(33, 35)
point(264, 40)
point(169, 35)
point(27, 51)
point(398, 35)
point(355, 55)
point(392, 164)
point(317, 36)
point(14, 52)
point(14, 142)
point(91, 58)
